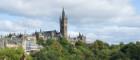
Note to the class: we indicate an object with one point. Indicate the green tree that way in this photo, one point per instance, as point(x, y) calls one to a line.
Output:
point(11, 53)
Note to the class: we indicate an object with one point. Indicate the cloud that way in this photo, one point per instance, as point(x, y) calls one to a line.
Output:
point(19, 25)
point(91, 8)
point(109, 20)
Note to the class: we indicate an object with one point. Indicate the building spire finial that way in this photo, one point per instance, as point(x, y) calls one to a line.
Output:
point(63, 12)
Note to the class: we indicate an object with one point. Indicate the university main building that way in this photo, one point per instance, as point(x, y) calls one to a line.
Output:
point(63, 31)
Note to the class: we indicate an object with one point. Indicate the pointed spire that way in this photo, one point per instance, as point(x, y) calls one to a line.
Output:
point(63, 12)
point(79, 34)
point(40, 30)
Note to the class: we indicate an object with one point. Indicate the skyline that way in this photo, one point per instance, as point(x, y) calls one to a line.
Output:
point(109, 20)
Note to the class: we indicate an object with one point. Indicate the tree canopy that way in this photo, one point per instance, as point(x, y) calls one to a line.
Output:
point(63, 49)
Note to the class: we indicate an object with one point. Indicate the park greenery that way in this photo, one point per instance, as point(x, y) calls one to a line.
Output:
point(12, 54)
point(62, 49)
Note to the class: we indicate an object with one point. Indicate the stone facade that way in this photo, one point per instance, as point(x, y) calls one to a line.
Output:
point(27, 42)
point(45, 35)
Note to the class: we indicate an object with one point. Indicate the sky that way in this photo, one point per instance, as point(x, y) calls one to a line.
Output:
point(111, 21)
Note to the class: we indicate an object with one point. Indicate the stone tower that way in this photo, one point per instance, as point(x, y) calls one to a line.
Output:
point(63, 24)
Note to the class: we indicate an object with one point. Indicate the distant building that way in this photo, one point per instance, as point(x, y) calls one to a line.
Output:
point(2, 43)
point(10, 41)
point(28, 42)
point(80, 37)
point(45, 35)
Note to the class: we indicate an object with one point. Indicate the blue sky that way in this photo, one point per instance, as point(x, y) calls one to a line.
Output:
point(136, 3)
point(112, 21)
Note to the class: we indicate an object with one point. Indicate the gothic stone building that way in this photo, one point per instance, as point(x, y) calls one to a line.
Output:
point(63, 31)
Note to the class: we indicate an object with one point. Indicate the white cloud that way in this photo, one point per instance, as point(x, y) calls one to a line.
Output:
point(98, 19)
point(91, 8)
point(19, 25)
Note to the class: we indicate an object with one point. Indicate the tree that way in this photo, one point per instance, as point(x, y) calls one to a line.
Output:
point(132, 50)
point(119, 56)
point(11, 53)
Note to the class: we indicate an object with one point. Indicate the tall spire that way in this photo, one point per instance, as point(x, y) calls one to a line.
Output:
point(63, 12)
point(63, 24)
